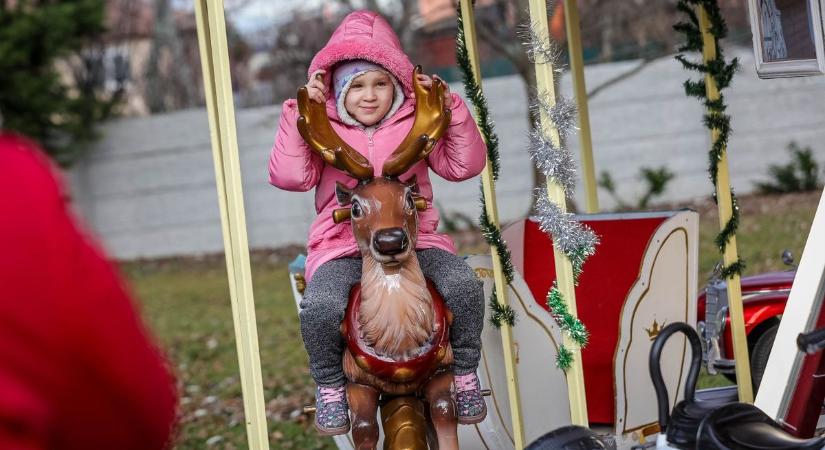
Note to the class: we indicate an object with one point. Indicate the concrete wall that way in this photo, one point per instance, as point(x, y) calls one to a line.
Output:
point(148, 187)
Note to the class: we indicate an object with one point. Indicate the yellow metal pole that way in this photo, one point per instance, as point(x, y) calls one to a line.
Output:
point(564, 269)
point(723, 196)
point(574, 49)
point(220, 108)
point(487, 183)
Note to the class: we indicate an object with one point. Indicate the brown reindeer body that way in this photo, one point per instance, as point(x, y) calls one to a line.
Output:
point(396, 316)
point(400, 326)
point(397, 327)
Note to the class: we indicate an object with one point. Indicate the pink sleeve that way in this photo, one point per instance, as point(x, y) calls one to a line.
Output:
point(292, 164)
point(461, 154)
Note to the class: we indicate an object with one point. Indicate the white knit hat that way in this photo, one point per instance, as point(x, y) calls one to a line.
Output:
point(342, 78)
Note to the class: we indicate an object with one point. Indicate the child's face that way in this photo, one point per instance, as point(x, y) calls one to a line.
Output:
point(369, 97)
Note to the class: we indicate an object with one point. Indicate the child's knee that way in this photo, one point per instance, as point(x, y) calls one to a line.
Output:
point(323, 311)
point(463, 288)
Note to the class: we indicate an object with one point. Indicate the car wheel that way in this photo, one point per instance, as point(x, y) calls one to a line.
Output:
point(761, 352)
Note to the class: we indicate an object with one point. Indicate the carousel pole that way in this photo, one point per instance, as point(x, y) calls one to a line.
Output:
point(220, 108)
point(730, 256)
point(574, 49)
point(555, 192)
point(498, 274)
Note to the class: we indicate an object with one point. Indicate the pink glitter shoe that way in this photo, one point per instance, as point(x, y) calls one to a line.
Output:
point(332, 411)
point(470, 403)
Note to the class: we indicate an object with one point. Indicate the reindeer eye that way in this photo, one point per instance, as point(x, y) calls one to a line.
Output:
point(355, 210)
point(408, 202)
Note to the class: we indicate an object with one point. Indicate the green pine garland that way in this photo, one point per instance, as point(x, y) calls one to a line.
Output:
point(715, 119)
point(473, 92)
point(492, 233)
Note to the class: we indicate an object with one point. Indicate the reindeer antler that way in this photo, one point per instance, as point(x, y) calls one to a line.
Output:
point(431, 120)
point(314, 126)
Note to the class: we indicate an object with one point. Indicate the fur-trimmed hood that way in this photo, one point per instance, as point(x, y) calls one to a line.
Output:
point(365, 35)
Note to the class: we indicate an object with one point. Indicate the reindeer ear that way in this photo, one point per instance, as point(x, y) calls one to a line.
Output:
point(412, 183)
point(343, 194)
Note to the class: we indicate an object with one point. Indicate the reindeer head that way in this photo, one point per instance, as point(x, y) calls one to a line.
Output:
point(384, 217)
point(383, 210)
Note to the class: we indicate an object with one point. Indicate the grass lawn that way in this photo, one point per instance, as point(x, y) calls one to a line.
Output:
point(186, 302)
point(187, 305)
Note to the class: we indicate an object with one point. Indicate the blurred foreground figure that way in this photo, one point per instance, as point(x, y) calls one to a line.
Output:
point(77, 368)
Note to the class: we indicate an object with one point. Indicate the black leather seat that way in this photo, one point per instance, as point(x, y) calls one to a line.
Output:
point(571, 437)
point(681, 425)
point(687, 415)
point(741, 426)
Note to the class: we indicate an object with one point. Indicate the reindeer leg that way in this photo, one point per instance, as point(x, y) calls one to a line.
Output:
point(363, 405)
point(438, 392)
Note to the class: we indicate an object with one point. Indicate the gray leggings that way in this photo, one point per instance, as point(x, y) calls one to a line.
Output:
point(325, 302)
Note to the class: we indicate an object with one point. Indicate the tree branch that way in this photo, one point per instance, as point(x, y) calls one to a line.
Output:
point(620, 77)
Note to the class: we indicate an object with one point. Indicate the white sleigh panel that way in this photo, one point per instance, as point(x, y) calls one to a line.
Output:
point(665, 292)
point(542, 386)
point(642, 277)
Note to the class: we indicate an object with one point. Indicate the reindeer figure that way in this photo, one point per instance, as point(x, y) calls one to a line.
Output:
point(396, 325)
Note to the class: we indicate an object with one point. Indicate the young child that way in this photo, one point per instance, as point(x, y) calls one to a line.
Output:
point(371, 107)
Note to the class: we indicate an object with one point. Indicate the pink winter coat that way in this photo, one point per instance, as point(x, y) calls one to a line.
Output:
point(293, 166)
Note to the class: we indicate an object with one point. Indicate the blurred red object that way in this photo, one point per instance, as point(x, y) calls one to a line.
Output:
point(558, 30)
point(78, 369)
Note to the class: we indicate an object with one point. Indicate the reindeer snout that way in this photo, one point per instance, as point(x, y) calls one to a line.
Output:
point(390, 241)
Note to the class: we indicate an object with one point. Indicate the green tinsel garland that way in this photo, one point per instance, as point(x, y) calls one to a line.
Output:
point(502, 314)
point(491, 232)
point(577, 259)
point(564, 358)
point(715, 119)
point(567, 322)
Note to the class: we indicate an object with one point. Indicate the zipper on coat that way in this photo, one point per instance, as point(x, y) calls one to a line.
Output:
point(370, 142)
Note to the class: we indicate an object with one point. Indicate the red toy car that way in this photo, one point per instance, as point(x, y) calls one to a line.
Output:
point(763, 298)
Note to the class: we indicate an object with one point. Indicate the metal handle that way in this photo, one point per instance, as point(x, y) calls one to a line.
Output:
point(812, 341)
point(656, 369)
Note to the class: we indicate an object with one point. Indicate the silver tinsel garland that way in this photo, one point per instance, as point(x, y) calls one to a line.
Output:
point(562, 114)
point(574, 239)
point(552, 161)
point(538, 51)
point(568, 234)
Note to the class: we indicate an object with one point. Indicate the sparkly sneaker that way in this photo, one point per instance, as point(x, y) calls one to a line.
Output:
point(332, 411)
point(470, 403)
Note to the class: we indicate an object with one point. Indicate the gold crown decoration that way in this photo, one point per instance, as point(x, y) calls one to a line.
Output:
point(655, 329)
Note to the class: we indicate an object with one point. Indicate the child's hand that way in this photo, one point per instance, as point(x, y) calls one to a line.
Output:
point(427, 82)
point(315, 87)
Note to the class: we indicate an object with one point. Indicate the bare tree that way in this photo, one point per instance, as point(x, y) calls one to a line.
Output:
point(293, 51)
point(168, 83)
